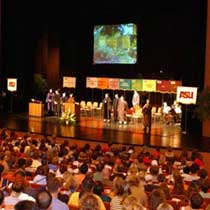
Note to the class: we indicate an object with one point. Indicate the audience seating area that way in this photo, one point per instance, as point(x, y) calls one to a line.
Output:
point(111, 173)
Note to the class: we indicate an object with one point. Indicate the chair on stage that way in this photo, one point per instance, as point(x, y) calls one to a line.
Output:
point(89, 107)
point(99, 108)
point(83, 107)
point(94, 107)
point(95, 104)
point(158, 115)
point(137, 115)
point(153, 111)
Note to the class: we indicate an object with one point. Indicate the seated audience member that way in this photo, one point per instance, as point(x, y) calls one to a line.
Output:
point(26, 205)
point(53, 185)
point(170, 155)
point(203, 174)
point(194, 168)
point(199, 160)
point(36, 161)
point(98, 189)
point(136, 189)
point(40, 177)
point(149, 186)
point(178, 188)
point(163, 186)
point(192, 188)
point(83, 169)
point(61, 170)
point(86, 187)
point(131, 203)
point(17, 194)
point(154, 170)
point(165, 206)
point(119, 192)
point(98, 175)
point(43, 200)
point(89, 202)
point(205, 186)
point(196, 201)
point(157, 197)
point(70, 183)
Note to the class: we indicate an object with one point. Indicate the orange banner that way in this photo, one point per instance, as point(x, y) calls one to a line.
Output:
point(102, 83)
point(113, 84)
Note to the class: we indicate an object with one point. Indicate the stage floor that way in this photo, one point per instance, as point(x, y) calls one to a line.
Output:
point(92, 128)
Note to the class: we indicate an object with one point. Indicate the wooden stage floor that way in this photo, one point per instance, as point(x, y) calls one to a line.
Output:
point(94, 129)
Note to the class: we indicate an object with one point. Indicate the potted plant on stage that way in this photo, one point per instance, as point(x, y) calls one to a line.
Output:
point(68, 117)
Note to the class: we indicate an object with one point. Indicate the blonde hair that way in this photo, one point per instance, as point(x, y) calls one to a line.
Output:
point(131, 203)
point(89, 201)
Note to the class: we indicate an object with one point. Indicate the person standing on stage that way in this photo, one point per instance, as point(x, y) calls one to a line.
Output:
point(135, 99)
point(64, 99)
point(122, 110)
point(115, 106)
point(147, 116)
point(107, 107)
point(50, 101)
point(71, 98)
point(57, 103)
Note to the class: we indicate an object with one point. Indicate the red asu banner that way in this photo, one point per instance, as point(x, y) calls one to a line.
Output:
point(186, 95)
point(11, 84)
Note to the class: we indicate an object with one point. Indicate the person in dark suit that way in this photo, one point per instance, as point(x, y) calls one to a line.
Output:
point(107, 107)
point(147, 116)
point(115, 106)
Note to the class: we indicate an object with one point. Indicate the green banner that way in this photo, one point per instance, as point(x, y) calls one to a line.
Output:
point(137, 84)
point(125, 84)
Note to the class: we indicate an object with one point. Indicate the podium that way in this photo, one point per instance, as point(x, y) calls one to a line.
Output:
point(75, 109)
point(36, 109)
point(69, 106)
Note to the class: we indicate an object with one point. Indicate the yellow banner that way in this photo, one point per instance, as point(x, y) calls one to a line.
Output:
point(149, 85)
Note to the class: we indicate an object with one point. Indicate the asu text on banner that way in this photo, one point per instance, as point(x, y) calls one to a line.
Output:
point(186, 95)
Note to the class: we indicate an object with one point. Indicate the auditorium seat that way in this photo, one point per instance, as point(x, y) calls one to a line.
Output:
point(83, 107)
point(99, 108)
point(137, 115)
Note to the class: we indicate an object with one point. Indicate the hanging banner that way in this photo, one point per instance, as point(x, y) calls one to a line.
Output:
point(149, 85)
point(125, 84)
point(174, 85)
point(186, 95)
point(136, 84)
point(91, 82)
point(102, 83)
point(113, 84)
point(11, 84)
point(163, 86)
point(69, 82)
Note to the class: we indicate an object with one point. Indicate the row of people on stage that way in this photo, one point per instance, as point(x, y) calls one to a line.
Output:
point(55, 101)
point(119, 108)
point(171, 114)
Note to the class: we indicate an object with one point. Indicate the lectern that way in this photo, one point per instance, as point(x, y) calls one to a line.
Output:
point(36, 109)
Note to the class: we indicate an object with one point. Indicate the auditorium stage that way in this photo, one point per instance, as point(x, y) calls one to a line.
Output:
point(92, 128)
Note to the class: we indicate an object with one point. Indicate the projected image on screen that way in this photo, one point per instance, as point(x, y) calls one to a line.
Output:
point(115, 44)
